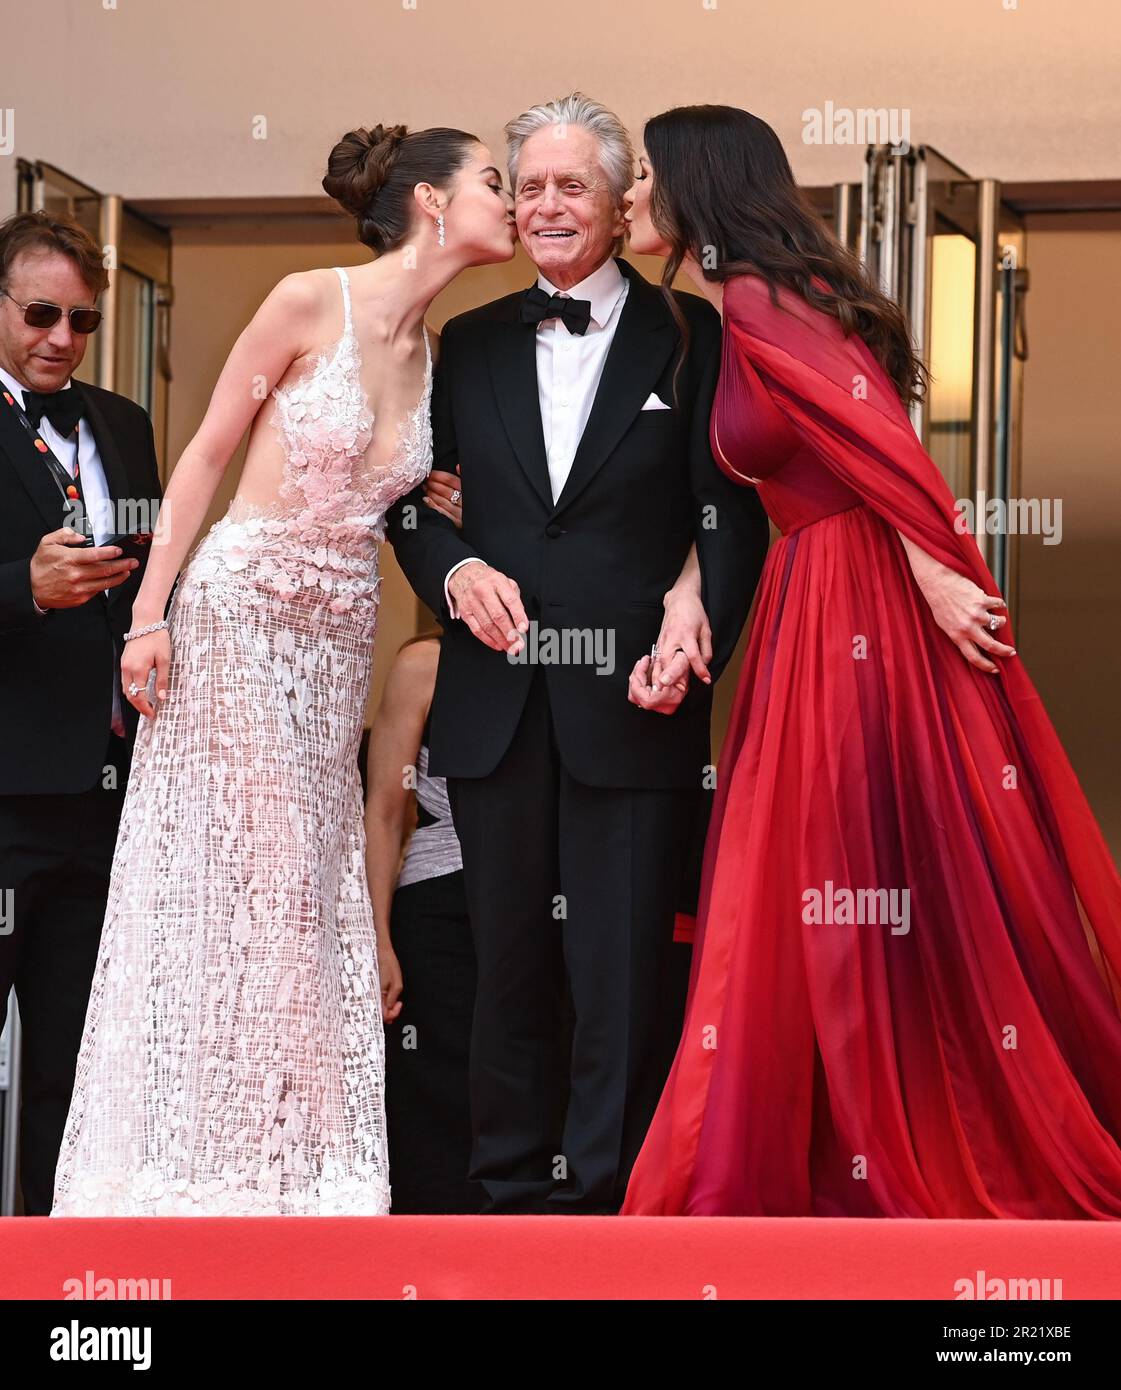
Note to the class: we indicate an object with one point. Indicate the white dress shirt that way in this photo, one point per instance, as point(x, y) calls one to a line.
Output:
point(99, 505)
point(569, 368)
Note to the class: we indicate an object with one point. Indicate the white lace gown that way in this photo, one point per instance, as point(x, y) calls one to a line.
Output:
point(232, 1059)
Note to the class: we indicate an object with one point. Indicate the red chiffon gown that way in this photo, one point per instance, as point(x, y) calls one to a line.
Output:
point(962, 1057)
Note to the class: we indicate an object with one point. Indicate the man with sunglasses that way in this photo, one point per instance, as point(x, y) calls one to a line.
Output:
point(74, 461)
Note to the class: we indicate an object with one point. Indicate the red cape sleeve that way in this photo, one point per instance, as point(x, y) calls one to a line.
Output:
point(835, 394)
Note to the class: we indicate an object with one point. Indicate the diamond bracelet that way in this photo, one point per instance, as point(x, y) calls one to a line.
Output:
point(143, 631)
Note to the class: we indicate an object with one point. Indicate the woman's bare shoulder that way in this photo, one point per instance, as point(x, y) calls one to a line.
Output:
point(306, 291)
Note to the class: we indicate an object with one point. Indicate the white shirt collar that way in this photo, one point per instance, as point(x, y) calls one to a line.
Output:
point(603, 287)
point(17, 387)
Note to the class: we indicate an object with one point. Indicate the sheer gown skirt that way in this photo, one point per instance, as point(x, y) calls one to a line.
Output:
point(950, 1050)
point(232, 1061)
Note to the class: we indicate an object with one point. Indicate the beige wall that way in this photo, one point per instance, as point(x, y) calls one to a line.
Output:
point(161, 99)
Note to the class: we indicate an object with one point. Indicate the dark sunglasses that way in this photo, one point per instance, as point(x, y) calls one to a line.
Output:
point(40, 314)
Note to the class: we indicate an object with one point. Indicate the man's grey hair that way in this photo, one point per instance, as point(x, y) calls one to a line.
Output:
point(616, 153)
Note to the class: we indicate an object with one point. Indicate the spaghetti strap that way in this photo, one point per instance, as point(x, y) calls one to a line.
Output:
point(345, 279)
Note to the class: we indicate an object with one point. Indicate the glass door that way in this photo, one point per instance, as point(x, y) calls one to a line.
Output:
point(1011, 353)
point(943, 246)
point(943, 303)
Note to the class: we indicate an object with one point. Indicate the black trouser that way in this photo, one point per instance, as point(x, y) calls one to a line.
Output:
point(56, 852)
point(428, 1120)
point(567, 880)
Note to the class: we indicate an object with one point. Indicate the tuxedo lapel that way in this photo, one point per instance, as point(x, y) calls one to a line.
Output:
point(35, 474)
point(116, 473)
point(116, 476)
point(644, 338)
point(29, 467)
point(513, 365)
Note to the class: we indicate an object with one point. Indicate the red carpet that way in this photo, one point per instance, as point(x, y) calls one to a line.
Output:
point(557, 1257)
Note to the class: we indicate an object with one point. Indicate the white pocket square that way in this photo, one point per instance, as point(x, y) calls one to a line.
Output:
point(653, 402)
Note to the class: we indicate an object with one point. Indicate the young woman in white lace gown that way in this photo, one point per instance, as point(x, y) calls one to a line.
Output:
point(232, 1059)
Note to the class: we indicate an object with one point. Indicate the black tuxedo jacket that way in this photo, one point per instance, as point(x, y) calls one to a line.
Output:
point(642, 488)
point(57, 670)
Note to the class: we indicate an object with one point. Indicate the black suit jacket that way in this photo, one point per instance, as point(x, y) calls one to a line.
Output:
point(642, 488)
point(57, 670)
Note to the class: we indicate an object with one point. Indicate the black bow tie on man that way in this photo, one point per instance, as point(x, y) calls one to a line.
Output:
point(62, 408)
point(537, 305)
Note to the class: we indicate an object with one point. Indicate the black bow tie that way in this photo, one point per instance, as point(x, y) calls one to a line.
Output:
point(62, 408)
point(537, 305)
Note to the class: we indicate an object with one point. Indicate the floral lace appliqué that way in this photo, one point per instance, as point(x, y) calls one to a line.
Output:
point(233, 1055)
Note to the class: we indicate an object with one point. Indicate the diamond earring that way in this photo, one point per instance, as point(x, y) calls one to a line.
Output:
point(440, 228)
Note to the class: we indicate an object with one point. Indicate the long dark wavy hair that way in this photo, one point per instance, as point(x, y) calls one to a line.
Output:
point(724, 193)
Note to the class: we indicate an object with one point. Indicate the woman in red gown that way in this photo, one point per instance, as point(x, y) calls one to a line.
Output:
point(949, 1047)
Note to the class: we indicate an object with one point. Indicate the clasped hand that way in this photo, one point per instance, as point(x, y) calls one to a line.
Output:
point(659, 682)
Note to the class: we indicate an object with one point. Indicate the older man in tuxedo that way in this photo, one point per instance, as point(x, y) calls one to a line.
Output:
point(74, 461)
point(586, 480)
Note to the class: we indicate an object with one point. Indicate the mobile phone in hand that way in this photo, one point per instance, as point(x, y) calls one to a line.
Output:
point(134, 545)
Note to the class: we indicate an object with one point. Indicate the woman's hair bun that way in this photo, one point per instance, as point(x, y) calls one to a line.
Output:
point(373, 174)
point(359, 165)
